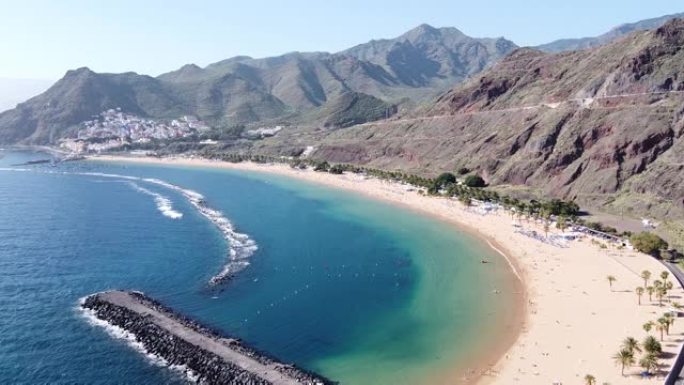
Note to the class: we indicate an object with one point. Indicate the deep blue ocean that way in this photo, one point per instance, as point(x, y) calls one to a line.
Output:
point(361, 291)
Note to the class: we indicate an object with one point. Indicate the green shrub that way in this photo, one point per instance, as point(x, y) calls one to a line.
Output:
point(474, 181)
point(322, 166)
point(648, 243)
point(336, 169)
point(445, 179)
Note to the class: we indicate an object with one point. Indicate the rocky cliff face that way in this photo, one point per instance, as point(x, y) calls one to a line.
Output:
point(610, 36)
point(587, 125)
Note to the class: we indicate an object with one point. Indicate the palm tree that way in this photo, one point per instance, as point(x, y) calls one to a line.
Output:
point(589, 379)
point(651, 345)
point(657, 283)
point(648, 326)
point(669, 319)
point(624, 358)
point(650, 290)
point(630, 344)
point(668, 286)
point(660, 326)
point(562, 223)
point(611, 279)
point(661, 292)
point(649, 362)
point(664, 275)
point(639, 293)
point(646, 275)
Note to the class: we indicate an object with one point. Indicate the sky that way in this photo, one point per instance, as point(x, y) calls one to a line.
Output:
point(42, 39)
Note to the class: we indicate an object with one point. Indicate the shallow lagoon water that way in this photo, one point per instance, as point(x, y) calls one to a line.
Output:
point(360, 291)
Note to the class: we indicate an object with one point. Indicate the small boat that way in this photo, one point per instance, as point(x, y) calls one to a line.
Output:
point(484, 261)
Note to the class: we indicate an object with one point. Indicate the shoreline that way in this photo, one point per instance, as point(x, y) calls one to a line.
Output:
point(553, 284)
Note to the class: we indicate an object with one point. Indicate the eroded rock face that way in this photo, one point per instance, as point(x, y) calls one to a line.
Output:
point(576, 124)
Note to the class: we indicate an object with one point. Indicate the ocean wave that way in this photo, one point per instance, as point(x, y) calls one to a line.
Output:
point(164, 204)
point(129, 338)
point(240, 246)
point(15, 169)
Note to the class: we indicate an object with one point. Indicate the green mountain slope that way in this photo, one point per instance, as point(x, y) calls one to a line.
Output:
point(296, 87)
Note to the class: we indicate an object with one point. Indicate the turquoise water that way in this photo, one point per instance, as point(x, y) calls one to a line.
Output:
point(361, 291)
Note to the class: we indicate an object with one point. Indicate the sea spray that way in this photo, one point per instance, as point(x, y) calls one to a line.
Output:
point(174, 340)
point(129, 338)
point(164, 204)
point(241, 246)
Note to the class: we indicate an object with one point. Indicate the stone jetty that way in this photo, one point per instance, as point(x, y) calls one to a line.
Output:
point(211, 357)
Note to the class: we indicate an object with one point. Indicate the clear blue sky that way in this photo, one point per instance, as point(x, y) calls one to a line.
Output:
point(44, 38)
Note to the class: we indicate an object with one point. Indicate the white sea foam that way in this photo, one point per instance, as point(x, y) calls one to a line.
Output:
point(129, 338)
point(15, 169)
point(164, 204)
point(240, 246)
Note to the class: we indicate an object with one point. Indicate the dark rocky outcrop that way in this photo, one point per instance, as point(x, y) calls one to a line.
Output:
point(159, 339)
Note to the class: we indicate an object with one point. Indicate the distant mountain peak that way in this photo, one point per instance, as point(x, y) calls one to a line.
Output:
point(428, 32)
point(672, 29)
point(298, 86)
point(422, 30)
point(610, 36)
point(191, 67)
point(79, 71)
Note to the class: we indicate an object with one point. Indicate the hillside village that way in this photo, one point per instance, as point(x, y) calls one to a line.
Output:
point(114, 128)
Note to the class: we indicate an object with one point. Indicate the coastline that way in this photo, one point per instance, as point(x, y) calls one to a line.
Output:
point(563, 304)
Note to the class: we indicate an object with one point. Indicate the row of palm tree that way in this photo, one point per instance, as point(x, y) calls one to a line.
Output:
point(564, 212)
point(533, 208)
point(659, 288)
point(661, 325)
point(650, 346)
point(626, 356)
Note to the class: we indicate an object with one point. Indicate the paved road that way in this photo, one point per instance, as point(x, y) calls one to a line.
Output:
point(676, 271)
point(678, 366)
point(267, 372)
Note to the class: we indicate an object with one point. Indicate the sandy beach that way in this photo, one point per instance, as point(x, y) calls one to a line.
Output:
point(572, 321)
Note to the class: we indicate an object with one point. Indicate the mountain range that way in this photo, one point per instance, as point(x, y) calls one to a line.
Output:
point(615, 33)
point(296, 87)
point(364, 83)
point(603, 127)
